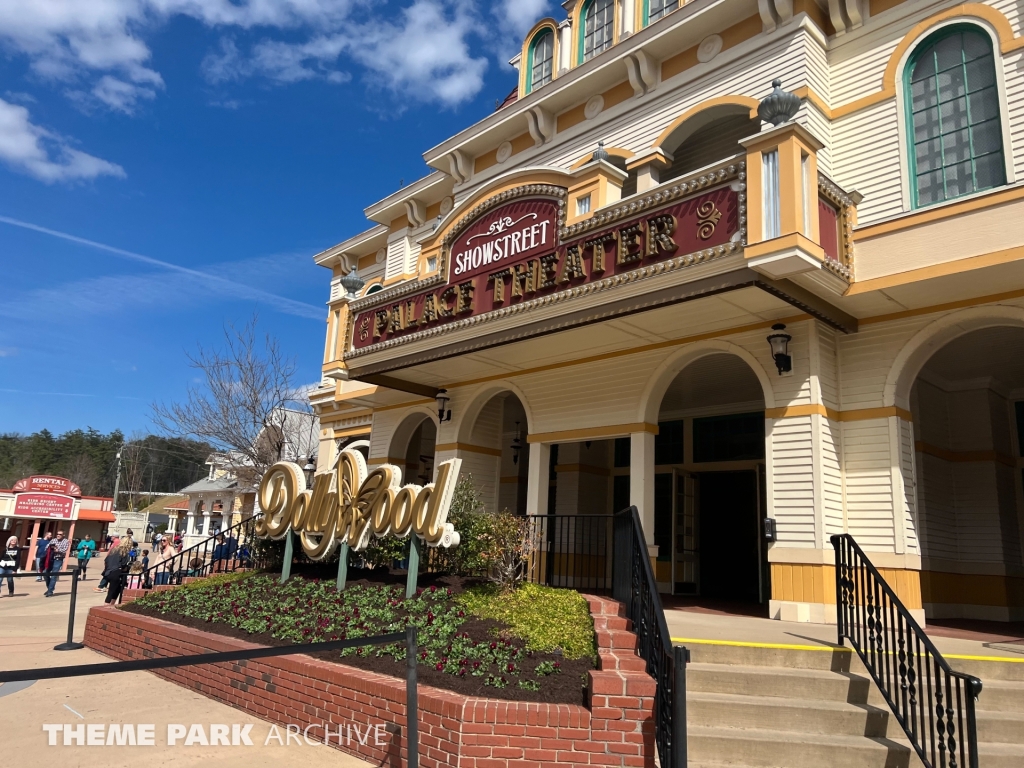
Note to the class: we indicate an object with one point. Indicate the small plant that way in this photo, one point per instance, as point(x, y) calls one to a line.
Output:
point(496, 681)
point(509, 546)
point(546, 668)
point(468, 517)
point(529, 685)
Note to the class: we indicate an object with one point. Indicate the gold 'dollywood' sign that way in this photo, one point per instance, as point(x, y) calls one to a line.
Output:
point(351, 505)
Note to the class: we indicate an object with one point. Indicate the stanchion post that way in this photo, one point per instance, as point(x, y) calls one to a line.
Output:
point(415, 550)
point(71, 645)
point(289, 554)
point(412, 726)
point(343, 566)
point(681, 656)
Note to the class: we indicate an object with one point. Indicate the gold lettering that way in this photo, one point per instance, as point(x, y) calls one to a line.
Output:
point(397, 322)
point(597, 246)
point(630, 247)
point(444, 301)
point(549, 269)
point(572, 267)
point(350, 505)
point(524, 278)
point(499, 284)
point(464, 303)
point(659, 235)
point(380, 322)
point(429, 309)
point(410, 314)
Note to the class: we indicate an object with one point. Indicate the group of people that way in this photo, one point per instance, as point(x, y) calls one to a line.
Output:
point(122, 557)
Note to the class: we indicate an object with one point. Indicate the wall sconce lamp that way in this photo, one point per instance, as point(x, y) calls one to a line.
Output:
point(443, 414)
point(517, 445)
point(779, 342)
point(310, 470)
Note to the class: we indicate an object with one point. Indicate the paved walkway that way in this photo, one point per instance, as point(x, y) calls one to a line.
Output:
point(684, 624)
point(30, 625)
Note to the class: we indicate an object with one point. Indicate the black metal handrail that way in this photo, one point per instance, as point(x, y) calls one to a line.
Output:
point(932, 703)
point(633, 584)
point(573, 551)
point(207, 557)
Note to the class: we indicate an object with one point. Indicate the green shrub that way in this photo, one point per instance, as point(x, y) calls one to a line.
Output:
point(468, 517)
point(547, 619)
point(507, 549)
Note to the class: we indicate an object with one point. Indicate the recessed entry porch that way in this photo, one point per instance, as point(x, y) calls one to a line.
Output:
point(665, 409)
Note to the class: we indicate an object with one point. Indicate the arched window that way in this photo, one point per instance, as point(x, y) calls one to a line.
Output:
point(658, 8)
point(598, 25)
point(374, 289)
point(541, 62)
point(953, 125)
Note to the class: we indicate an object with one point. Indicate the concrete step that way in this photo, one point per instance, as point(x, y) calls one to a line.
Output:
point(826, 657)
point(1001, 696)
point(801, 684)
point(989, 755)
point(760, 748)
point(1001, 727)
point(793, 715)
point(1009, 670)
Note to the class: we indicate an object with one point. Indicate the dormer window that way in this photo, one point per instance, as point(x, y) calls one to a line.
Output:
point(541, 61)
point(598, 26)
point(659, 8)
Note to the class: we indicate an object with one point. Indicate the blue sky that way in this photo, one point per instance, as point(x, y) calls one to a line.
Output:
point(167, 166)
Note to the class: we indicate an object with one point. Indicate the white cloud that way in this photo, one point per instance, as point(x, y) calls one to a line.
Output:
point(44, 155)
point(99, 48)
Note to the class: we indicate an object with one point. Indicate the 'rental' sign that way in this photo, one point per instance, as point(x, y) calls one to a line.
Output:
point(512, 253)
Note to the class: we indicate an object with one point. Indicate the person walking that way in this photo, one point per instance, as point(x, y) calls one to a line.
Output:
point(9, 564)
point(42, 544)
point(58, 551)
point(104, 578)
point(86, 550)
point(115, 566)
point(161, 561)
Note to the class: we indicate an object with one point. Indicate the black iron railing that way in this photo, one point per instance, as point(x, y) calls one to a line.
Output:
point(226, 551)
point(933, 704)
point(634, 585)
point(573, 551)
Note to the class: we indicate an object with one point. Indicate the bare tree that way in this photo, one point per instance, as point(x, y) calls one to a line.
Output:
point(81, 470)
point(134, 465)
point(247, 404)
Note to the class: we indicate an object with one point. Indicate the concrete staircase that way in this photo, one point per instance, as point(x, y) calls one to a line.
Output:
point(757, 707)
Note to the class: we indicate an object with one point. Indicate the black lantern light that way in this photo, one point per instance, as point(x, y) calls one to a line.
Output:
point(517, 445)
point(352, 283)
point(779, 342)
point(310, 470)
point(443, 414)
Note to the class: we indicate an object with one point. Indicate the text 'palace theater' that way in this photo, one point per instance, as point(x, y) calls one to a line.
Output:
point(756, 268)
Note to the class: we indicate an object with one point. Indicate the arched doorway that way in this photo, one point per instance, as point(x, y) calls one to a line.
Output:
point(709, 494)
point(967, 406)
point(708, 137)
point(494, 451)
point(413, 448)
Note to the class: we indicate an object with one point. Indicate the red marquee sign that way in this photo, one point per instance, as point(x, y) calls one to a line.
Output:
point(47, 484)
point(512, 254)
point(50, 506)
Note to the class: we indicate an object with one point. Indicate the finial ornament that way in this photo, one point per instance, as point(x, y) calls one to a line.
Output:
point(600, 153)
point(352, 283)
point(779, 106)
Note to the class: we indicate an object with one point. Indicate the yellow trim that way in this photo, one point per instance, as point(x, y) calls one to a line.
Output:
point(402, 222)
point(589, 469)
point(509, 479)
point(780, 646)
point(351, 432)
point(809, 94)
point(735, 100)
point(991, 298)
point(592, 433)
point(409, 404)
point(545, 23)
point(467, 447)
point(929, 215)
point(857, 414)
point(397, 461)
point(489, 159)
point(964, 457)
point(738, 33)
point(955, 267)
point(378, 281)
point(785, 242)
point(357, 393)
point(1007, 44)
point(625, 154)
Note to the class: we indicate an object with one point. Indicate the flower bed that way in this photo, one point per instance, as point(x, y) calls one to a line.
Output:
point(534, 645)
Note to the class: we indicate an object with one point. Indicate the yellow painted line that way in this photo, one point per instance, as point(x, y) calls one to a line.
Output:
point(741, 644)
point(983, 658)
point(785, 647)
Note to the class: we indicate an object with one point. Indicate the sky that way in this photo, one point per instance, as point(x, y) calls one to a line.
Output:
point(170, 166)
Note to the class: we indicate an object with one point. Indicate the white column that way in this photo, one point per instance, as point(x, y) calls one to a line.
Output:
point(537, 483)
point(641, 482)
point(190, 524)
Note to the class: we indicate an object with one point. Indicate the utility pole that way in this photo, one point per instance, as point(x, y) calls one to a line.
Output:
point(117, 476)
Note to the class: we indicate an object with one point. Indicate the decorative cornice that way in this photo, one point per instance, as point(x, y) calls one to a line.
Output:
point(839, 198)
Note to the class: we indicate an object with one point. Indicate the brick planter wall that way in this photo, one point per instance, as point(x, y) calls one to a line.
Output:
point(463, 732)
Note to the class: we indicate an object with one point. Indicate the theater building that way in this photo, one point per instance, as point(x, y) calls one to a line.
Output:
point(761, 314)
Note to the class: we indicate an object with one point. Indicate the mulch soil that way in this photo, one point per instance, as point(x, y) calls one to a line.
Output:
point(566, 687)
